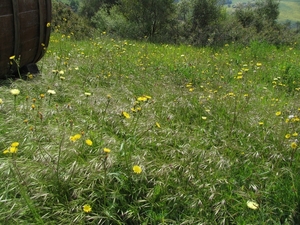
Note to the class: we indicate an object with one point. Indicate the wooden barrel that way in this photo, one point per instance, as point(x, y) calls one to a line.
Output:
point(24, 33)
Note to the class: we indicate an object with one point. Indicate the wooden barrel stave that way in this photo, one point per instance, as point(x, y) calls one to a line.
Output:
point(23, 32)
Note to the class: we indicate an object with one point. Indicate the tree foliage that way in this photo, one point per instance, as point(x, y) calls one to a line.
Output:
point(205, 13)
point(261, 15)
point(90, 7)
point(152, 16)
point(198, 22)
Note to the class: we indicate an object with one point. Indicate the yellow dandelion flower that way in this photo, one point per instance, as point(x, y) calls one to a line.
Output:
point(126, 115)
point(258, 64)
point(142, 99)
point(261, 123)
point(1, 101)
point(294, 145)
point(15, 91)
point(287, 136)
point(48, 24)
point(42, 95)
point(87, 208)
point(75, 137)
point(13, 149)
point(137, 169)
point(89, 142)
point(278, 113)
point(157, 124)
point(87, 94)
point(295, 134)
point(6, 151)
point(14, 144)
point(204, 117)
point(12, 57)
point(106, 150)
point(252, 205)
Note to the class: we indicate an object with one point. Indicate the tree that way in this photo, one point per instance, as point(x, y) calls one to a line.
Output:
point(74, 5)
point(268, 10)
point(90, 7)
point(262, 14)
point(152, 16)
point(205, 13)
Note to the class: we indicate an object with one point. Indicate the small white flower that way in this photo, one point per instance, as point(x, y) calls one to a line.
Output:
point(252, 205)
point(51, 92)
point(15, 91)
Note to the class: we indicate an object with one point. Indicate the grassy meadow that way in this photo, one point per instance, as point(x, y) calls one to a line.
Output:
point(124, 132)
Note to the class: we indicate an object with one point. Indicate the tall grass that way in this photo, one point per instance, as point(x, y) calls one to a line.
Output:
point(123, 132)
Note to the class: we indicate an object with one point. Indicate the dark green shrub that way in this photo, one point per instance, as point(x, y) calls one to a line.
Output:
point(65, 21)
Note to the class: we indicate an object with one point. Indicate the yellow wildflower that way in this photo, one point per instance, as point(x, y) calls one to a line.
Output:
point(13, 149)
point(106, 150)
point(278, 113)
point(252, 205)
point(142, 99)
point(51, 92)
point(157, 124)
point(15, 91)
point(294, 145)
point(15, 144)
point(126, 115)
point(89, 142)
point(5, 151)
point(75, 137)
point(87, 208)
point(137, 169)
